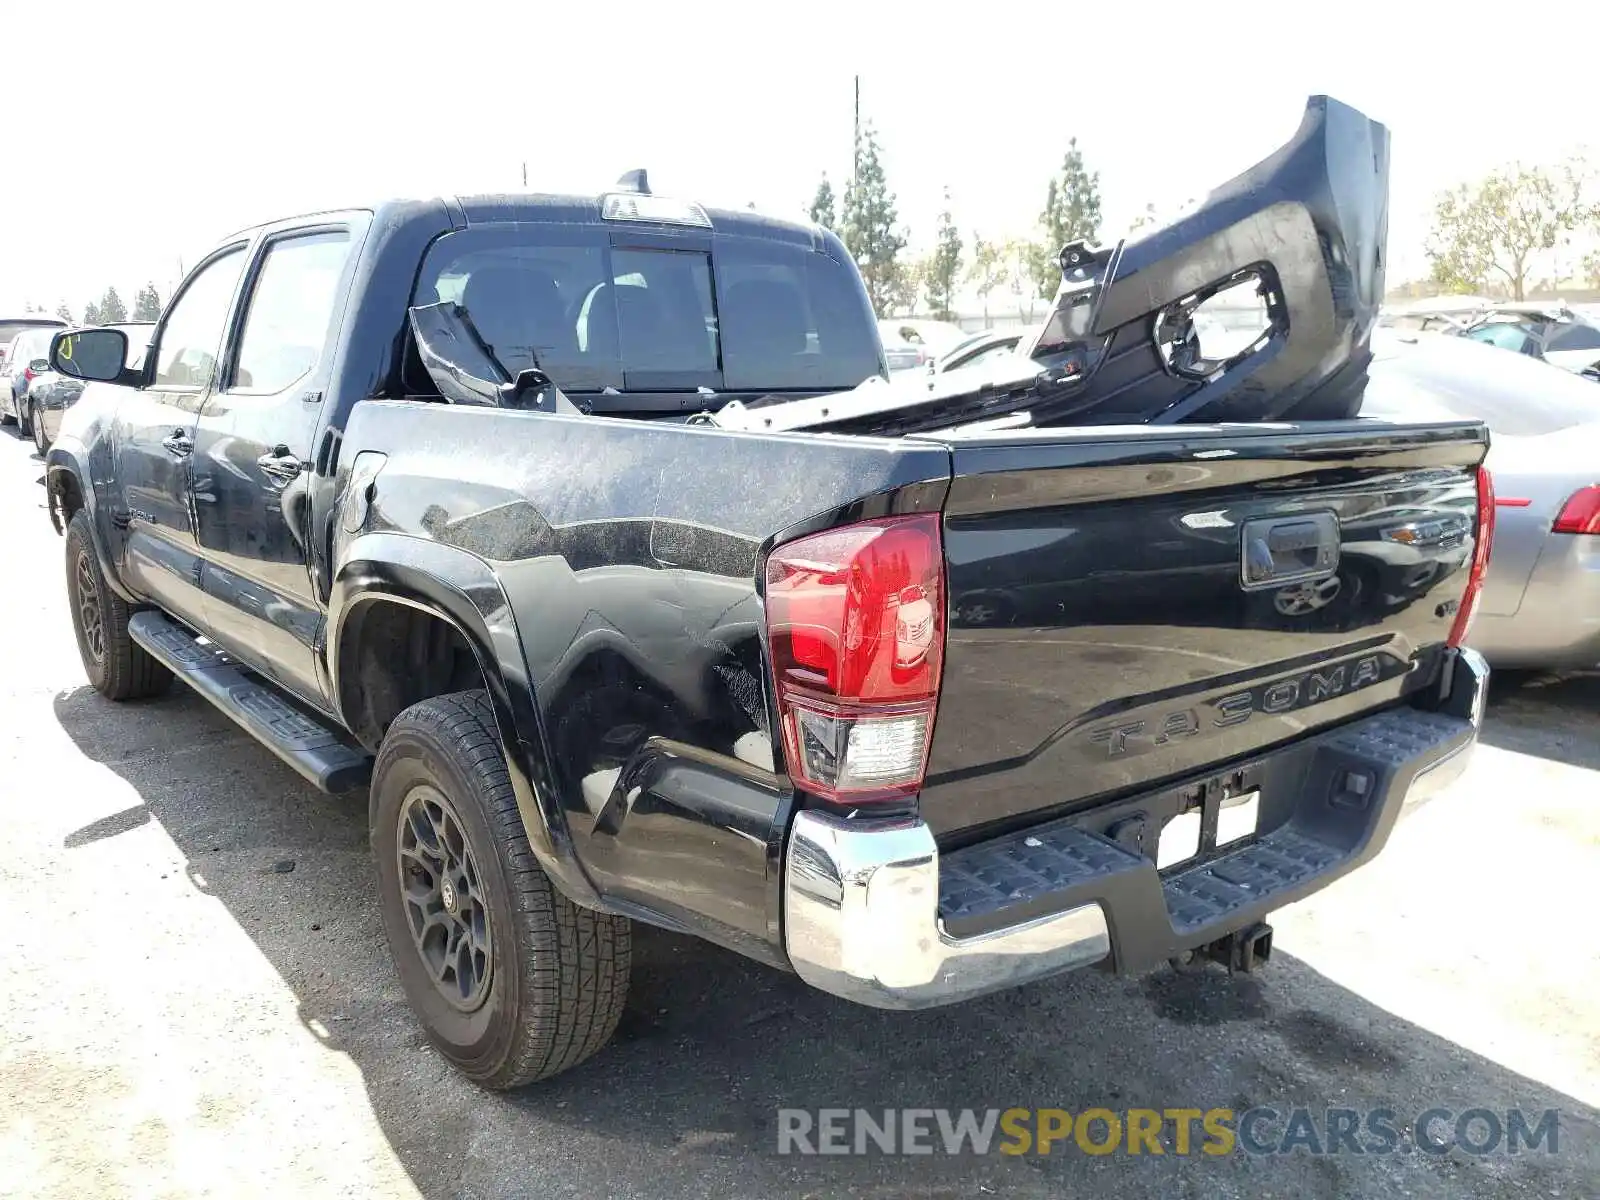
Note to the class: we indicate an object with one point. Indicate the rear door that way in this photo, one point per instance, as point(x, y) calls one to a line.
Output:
point(254, 450)
point(1136, 606)
point(155, 437)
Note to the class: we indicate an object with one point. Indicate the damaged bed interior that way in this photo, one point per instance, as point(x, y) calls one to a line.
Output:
point(684, 323)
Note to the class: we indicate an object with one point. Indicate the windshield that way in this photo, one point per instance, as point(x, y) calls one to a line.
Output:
point(1442, 378)
point(725, 313)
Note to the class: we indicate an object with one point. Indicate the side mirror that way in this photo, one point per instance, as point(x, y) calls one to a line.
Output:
point(93, 354)
point(39, 366)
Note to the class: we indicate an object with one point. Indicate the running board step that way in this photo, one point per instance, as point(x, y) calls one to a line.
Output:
point(307, 744)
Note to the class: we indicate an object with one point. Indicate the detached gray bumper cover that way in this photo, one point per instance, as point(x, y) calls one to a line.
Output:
point(869, 907)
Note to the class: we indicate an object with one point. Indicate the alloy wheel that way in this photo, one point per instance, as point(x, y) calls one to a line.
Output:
point(443, 897)
point(94, 634)
point(1305, 598)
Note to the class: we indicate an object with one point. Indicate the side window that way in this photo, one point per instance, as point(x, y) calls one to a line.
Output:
point(286, 322)
point(1574, 337)
point(189, 340)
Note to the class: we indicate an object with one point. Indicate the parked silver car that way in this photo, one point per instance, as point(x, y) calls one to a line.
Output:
point(24, 357)
point(1540, 606)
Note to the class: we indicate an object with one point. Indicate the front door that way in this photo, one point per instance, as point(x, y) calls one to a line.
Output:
point(253, 455)
point(156, 430)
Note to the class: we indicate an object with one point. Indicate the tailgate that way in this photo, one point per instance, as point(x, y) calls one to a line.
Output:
point(1135, 605)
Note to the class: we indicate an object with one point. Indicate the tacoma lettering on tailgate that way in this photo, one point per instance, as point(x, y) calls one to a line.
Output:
point(1137, 735)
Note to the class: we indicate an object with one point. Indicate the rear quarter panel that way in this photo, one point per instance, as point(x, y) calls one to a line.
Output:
point(624, 555)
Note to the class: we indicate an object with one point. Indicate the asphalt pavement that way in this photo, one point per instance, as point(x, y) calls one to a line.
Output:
point(196, 999)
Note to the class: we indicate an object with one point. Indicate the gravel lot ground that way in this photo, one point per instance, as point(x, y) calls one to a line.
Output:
point(197, 1000)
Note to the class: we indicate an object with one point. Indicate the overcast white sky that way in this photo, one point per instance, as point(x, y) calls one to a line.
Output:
point(144, 132)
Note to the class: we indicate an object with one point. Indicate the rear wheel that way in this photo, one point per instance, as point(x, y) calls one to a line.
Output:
point(117, 666)
point(40, 441)
point(24, 417)
point(511, 980)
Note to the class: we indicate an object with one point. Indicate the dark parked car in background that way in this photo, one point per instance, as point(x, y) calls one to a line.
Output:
point(50, 393)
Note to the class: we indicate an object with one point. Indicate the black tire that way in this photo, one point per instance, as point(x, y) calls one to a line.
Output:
point(556, 977)
point(41, 443)
point(24, 417)
point(117, 666)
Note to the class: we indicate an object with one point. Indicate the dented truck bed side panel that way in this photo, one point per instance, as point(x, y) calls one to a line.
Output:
point(623, 557)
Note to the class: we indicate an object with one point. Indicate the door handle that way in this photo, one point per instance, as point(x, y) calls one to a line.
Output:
point(179, 442)
point(280, 466)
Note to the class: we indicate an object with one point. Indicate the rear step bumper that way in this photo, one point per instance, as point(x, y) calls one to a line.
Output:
point(872, 913)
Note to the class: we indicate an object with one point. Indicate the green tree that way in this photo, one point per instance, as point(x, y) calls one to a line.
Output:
point(870, 223)
point(909, 280)
point(147, 304)
point(943, 266)
point(988, 270)
point(112, 310)
point(64, 312)
point(1490, 231)
point(1071, 213)
point(822, 207)
point(1022, 257)
point(91, 314)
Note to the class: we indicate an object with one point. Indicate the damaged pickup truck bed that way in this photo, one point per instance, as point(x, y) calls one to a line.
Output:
point(570, 526)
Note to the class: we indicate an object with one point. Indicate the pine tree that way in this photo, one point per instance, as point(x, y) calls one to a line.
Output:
point(944, 265)
point(821, 209)
point(147, 304)
point(64, 312)
point(1071, 213)
point(870, 218)
point(91, 314)
point(112, 309)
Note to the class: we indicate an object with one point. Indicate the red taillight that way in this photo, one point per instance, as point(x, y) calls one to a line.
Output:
point(1581, 512)
point(855, 618)
point(1481, 548)
point(27, 374)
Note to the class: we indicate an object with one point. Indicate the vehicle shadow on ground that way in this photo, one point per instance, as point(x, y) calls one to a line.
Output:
point(1555, 715)
point(685, 1101)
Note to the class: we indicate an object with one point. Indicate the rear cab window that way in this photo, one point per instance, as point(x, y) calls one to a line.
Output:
point(650, 321)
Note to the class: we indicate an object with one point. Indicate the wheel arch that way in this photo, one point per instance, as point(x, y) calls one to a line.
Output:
point(69, 492)
point(390, 584)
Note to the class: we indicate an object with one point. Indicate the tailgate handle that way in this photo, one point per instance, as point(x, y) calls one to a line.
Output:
point(1276, 551)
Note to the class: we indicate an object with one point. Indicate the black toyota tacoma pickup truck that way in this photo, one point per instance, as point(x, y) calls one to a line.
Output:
point(585, 533)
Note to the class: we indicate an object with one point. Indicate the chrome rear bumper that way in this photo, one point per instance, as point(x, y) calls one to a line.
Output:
point(862, 898)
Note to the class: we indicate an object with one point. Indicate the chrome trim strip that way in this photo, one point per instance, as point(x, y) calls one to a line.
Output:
point(1468, 682)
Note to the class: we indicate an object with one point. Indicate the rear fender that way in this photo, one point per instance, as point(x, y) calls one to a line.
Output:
point(461, 589)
